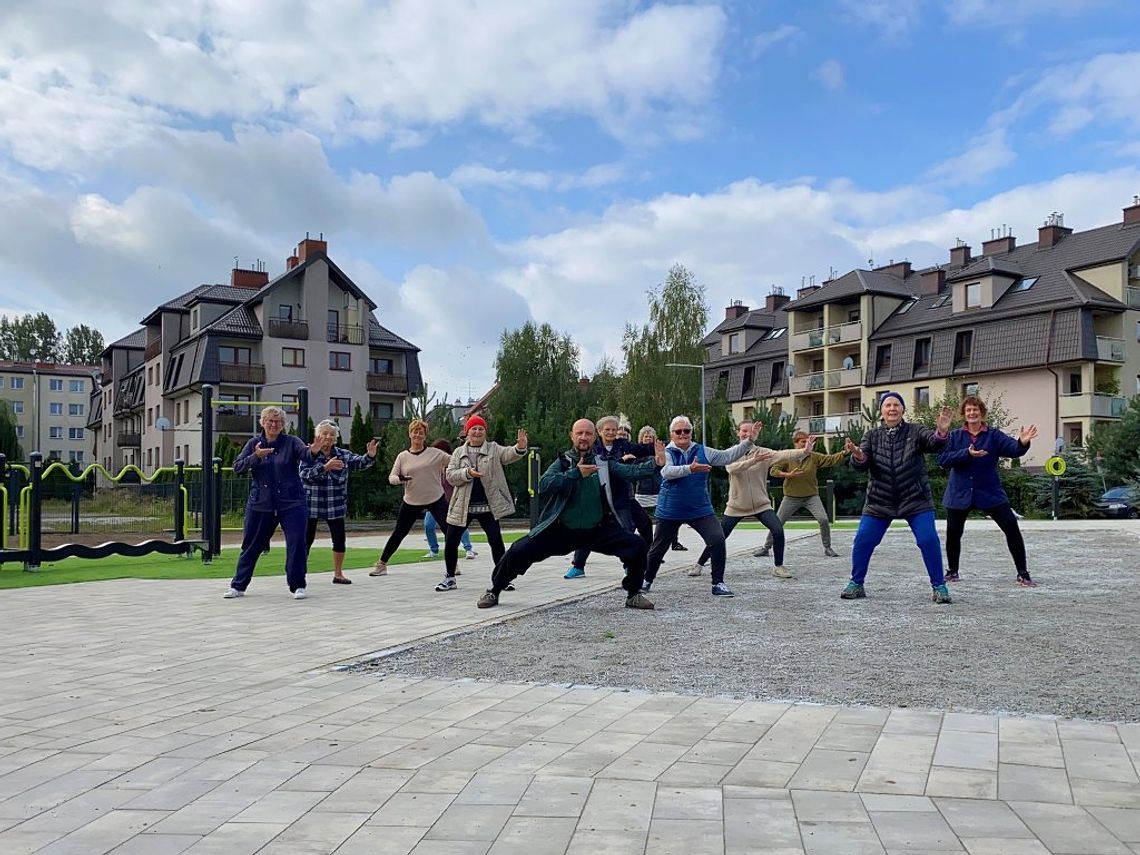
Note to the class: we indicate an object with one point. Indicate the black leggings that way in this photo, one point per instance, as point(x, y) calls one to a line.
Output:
point(454, 533)
point(408, 516)
point(1007, 522)
point(336, 529)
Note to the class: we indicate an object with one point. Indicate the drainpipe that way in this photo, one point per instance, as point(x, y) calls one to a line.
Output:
point(1056, 379)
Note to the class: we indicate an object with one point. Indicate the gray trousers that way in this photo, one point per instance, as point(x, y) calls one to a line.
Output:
point(790, 504)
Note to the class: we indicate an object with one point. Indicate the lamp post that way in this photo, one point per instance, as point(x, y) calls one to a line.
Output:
point(700, 368)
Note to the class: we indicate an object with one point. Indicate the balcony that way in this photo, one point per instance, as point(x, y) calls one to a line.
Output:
point(129, 440)
point(379, 425)
point(153, 349)
point(837, 423)
point(807, 383)
point(1132, 298)
point(1109, 349)
point(345, 333)
point(394, 383)
point(808, 340)
point(1091, 405)
point(846, 377)
point(849, 333)
point(241, 372)
point(281, 328)
point(237, 424)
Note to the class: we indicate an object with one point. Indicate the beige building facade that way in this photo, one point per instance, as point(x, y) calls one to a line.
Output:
point(50, 404)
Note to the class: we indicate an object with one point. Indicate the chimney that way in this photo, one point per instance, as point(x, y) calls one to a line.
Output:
point(291, 262)
point(776, 300)
point(1132, 212)
point(806, 290)
point(309, 246)
point(932, 281)
point(901, 269)
point(960, 255)
point(1051, 233)
point(1000, 242)
point(734, 310)
point(253, 279)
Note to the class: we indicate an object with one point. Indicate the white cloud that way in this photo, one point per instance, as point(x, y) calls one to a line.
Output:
point(1006, 13)
point(987, 154)
point(1103, 89)
point(892, 18)
point(478, 175)
point(830, 74)
point(783, 34)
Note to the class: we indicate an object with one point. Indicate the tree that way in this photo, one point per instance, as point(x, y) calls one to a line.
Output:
point(82, 345)
point(9, 444)
point(29, 338)
point(537, 371)
point(360, 433)
point(1116, 446)
point(651, 391)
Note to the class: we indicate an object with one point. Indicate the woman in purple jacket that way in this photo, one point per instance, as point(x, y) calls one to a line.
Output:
point(276, 497)
point(972, 456)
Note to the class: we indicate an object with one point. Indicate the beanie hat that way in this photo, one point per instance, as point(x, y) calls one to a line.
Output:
point(475, 421)
point(894, 395)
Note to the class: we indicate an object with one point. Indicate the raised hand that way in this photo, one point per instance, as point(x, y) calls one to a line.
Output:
point(1027, 434)
point(659, 452)
point(372, 448)
point(625, 458)
point(809, 445)
point(977, 452)
point(334, 464)
point(945, 416)
point(584, 468)
point(697, 466)
point(263, 451)
point(849, 445)
point(520, 443)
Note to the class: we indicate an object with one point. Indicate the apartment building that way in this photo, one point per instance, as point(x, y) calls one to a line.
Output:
point(253, 340)
point(50, 403)
point(1052, 328)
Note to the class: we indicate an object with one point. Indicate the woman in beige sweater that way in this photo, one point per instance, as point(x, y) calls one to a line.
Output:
point(801, 490)
point(418, 468)
point(748, 497)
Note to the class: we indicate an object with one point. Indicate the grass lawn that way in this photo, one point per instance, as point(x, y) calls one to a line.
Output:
point(13, 575)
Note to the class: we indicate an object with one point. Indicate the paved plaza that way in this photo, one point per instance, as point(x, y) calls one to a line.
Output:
point(154, 717)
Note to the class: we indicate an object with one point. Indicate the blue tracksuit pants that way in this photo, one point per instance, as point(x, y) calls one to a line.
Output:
point(870, 534)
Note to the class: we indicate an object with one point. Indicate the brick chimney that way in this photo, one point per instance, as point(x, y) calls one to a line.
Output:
point(1132, 212)
point(900, 269)
point(776, 300)
point(960, 255)
point(291, 262)
point(1051, 233)
point(309, 246)
point(932, 281)
point(806, 291)
point(734, 310)
point(253, 279)
point(999, 245)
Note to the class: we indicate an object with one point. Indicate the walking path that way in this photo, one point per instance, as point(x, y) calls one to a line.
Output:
point(154, 717)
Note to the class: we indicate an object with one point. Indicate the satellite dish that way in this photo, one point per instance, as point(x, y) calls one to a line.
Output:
point(790, 371)
point(848, 362)
point(162, 423)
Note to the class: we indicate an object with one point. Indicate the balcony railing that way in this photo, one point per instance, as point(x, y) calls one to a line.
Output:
point(129, 440)
point(838, 378)
point(837, 423)
point(839, 334)
point(346, 333)
point(241, 372)
point(847, 377)
point(1109, 349)
point(282, 328)
point(397, 383)
point(235, 423)
point(153, 349)
point(1132, 297)
point(1091, 405)
point(380, 425)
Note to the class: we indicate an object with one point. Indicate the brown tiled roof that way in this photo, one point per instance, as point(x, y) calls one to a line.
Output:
point(855, 283)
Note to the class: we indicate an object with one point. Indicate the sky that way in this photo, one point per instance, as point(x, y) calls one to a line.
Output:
point(475, 164)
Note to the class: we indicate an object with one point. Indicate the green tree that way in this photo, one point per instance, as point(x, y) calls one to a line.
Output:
point(360, 433)
point(82, 345)
point(1116, 446)
point(1079, 489)
point(9, 444)
point(537, 371)
point(651, 391)
point(30, 338)
point(227, 449)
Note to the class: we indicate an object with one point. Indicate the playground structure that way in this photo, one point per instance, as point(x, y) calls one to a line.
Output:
point(23, 499)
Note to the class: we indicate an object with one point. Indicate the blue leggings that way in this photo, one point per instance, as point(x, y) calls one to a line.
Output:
point(870, 534)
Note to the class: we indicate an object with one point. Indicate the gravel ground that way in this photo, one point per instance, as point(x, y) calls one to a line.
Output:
point(1069, 647)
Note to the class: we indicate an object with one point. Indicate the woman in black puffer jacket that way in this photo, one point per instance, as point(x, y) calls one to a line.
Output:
point(897, 488)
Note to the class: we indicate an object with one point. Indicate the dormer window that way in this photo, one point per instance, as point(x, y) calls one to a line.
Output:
point(906, 307)
point(963, 348)
point(974, 295)
point(195, 318)
point(735, 342)
point(941, 301)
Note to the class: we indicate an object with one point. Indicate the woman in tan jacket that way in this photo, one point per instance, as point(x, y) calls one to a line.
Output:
point(481, 492)
point(801, 490)
point(748, 497)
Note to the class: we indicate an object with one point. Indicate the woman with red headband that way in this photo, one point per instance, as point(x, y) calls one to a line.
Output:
point(481, 492)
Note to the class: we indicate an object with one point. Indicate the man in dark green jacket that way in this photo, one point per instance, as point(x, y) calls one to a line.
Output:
point(579, 512)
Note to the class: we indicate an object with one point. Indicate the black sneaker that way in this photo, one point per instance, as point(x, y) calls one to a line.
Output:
point(489, 600)
point(447, 584)
point(679, 547)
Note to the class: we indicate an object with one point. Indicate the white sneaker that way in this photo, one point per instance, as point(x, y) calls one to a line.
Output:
point(782, 572)
point(695, 570)
point(430, 554)
point(299, 594)
point(471, 554)
point(233, 594)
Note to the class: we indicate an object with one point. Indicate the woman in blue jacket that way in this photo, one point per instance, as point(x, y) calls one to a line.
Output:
point(972, 457)
point(276, 497)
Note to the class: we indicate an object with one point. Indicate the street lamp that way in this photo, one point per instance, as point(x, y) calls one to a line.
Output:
point(701, 368)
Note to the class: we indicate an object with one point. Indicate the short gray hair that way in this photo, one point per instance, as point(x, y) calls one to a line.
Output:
point(328, 424)
point(680, 420)
point(273, 411)
point(605, 420)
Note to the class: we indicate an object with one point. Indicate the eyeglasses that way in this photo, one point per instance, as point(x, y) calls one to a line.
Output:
point(683, 431)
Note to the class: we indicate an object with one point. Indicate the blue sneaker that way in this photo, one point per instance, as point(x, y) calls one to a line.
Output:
point(645, 586)
point(853, 592)
point(722, 590)
point(940, 594)
point(574, 573)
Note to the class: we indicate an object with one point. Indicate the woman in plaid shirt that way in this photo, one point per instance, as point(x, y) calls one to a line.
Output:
point(326, 483)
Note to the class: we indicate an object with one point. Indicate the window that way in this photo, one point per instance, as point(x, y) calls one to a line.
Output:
point(1025, 284)
point(149, 458)
point(883, 358)
point(379, 366)
point(340, 360)
point(237, 409)
point(75, 456)
point(1138, 384)
point(75, 409)
point(334, 325)
point(879, 398)
point(776, 333)
point(852, 316)
point(1, 381)
point(20, 428)
point(17, 383)
point(906, 307)
point(974, 295)
point(75, 433)
point(941, 301)
point(284, 312)
point(922, 396)
point(722, 380)
point(55, 384)
point(922, 356)
point(289, 403)
point(963, 348)
point(340, 406)
point(1074, 382)
point(854, 404)
point(54, 454)
point(150, 375)
point(55, 409)
point(195, 317)
point(293, 357)
point(749, 413)
point(149, 417)
point(381, 411)
point(777, 380)
point(17, 408)
point(55, 433)
point(969, 389)
point(749, 380)
point(734, 342)
point(817, 408)
point(75, 386)
point(1138, 330)
point(234, 355)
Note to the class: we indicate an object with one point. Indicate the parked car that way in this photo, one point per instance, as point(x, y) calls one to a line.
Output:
point(1121, 502)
